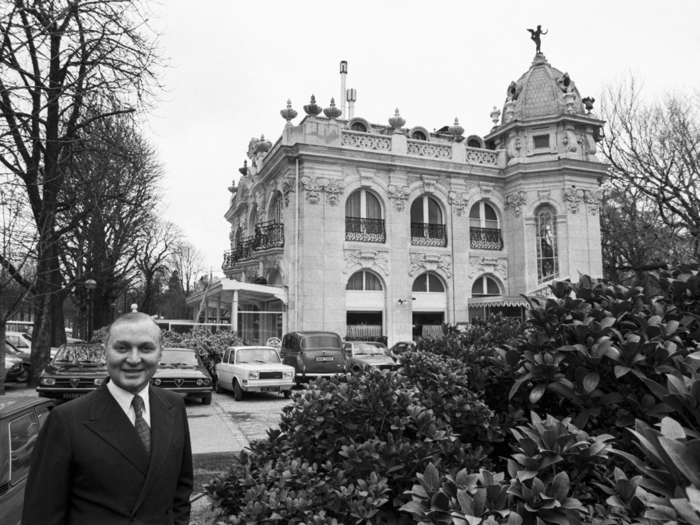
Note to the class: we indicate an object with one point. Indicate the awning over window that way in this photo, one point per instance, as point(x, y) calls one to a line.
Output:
point(497, 300)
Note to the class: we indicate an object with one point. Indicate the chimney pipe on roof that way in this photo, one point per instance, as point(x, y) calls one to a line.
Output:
point(352, 97)
point(343, 74)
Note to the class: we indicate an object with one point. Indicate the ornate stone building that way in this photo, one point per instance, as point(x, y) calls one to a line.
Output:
point(379, 229)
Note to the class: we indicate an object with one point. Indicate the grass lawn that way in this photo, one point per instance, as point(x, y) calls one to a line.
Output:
point(207, 467)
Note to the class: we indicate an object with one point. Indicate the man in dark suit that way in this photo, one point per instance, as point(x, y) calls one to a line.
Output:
point(120, 454)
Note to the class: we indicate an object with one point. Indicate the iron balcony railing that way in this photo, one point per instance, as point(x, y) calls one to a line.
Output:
point(424, 234)
point(364, 230)
point(485, 238)
point(268, 234)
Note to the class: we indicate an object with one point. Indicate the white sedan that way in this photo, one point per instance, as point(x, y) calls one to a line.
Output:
point(253, 369)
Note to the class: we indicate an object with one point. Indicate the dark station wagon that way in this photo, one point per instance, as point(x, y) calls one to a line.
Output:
point(20, 421)
point(75, 370)
point(313, 354)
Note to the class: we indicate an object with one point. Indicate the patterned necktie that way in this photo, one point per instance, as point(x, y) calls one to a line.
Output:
point(141, 426)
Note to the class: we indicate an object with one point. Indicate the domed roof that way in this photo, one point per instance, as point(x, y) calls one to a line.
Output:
point(540, 91)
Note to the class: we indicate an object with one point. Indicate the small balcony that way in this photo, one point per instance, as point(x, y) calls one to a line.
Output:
point(425, 234)
point(485, 239)
point(364, 230)
point(268, 235)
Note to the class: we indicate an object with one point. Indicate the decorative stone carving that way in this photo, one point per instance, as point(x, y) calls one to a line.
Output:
point(312, 109)
point(514, 145)
point(573, 197)
point(369, 259)
point(495, 265)
point(516, 201)
point(458, 201)
point(592, 199)
point(569, 139)
point(430, 262)
point(366, 177)
point(312, 188)
point(333, 190)
point(288, 113)
point(399, 194)
point(495, 115)
point(543, 195)
point(397, 122)
point(429, 184)
point(287, 188)
point(486, 190)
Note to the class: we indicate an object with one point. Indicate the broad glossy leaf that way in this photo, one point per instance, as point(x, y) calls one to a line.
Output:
point(537, 393)
point(682, 459)
point(591, 381)
point(431, 479)
point(671, 428)
point(560, 486)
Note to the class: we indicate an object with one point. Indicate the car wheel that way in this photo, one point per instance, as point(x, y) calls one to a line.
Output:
point(23, 376)
point(219, 389)
point(206, 400)
point(237, 391)
point(357, 369)
point(287, 394)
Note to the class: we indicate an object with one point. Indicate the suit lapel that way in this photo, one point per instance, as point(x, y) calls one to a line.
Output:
point(109, 421)
point(162, 426)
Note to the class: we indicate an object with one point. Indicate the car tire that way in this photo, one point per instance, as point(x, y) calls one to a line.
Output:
point(219, 389)
point(23, 376)
point(237, 391)
point(288, 393)
point(206, 400)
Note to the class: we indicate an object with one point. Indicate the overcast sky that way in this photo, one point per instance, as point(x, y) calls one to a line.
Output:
point(233, 64)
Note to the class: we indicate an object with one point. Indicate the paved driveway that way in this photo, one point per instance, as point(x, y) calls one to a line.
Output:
point(228, 425)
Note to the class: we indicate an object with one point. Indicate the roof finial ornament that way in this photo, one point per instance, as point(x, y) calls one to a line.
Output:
point(535, 37)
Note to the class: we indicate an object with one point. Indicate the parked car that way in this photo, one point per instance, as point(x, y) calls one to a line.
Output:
point(13, 368)
point(253, 369)
point(23, 342)
point(75, 370)
point(20, 421)
point(401, 347)
point(182, 371)
point(313, 354)
point(361, 354)
point(21, 374)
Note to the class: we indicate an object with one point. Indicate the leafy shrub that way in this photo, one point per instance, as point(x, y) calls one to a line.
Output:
point(210, 346)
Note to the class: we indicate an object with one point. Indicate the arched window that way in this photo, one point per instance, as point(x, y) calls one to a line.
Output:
point(252, 220)
point(547, 250)
point(428, 282)
point(485, 286)
point(473, 143)
point(484, 230)
point(358, 126)
point(270, 234)
point(364, 281)
point(275, 212)
point(363, 218)
point(427, 227)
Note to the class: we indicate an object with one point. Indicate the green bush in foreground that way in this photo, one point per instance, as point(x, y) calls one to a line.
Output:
point(588, 414)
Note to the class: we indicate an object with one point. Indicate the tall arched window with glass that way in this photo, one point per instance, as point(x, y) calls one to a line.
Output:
point(484, 230)
point(363, 218)
point(270, 234)
point(427, 227)
point(547, 250)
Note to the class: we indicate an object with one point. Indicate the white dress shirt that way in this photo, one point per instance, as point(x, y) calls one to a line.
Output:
point(123, 398)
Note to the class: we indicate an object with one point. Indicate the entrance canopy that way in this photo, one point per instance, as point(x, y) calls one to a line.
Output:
point(224, 290)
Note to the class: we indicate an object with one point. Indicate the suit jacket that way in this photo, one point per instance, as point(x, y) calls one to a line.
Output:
point(89, 466)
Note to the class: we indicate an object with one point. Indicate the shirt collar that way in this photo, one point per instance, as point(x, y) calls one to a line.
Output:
point(124, 398)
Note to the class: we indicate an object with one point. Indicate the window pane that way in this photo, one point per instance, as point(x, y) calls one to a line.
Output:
point(492, 287)
point(434, 212)
point(474, 212)
point(490, 213)
point(421, 283)
point(435, 285)
point(478, 287)
point(541, 141)
point(41, 414)
point(374, 209)
point(417, 210)
point(23, 433)
point(547, 257)
point(352, 205)
point(372, 282)
point(355, 282)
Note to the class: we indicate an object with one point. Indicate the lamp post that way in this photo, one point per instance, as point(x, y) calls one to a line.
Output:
point(90, 285)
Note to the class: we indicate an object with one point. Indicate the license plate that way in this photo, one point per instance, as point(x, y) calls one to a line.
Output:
point(71, 396)
point(269, 389)
point(325, 358)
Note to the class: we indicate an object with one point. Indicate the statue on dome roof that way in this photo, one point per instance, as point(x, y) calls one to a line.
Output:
point(535, 37)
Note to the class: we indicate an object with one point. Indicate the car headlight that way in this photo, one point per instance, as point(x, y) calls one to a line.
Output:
point(157, 382)
point(287, 375)
point(99, 380)
point(253, 375)
point(206, 382)
point(48, 381)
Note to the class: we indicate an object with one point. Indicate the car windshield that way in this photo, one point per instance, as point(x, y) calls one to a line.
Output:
point(174, 358)
point(321, 341)
point(368, 349)
point(257, 355)
point(80, 355)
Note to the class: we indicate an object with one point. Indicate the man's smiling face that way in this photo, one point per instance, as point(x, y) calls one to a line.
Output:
point(133, 353)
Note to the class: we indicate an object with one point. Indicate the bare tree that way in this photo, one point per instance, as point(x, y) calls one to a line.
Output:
point(654, 148)
point(63, 65)
point(188, 262)
point(152, 253)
